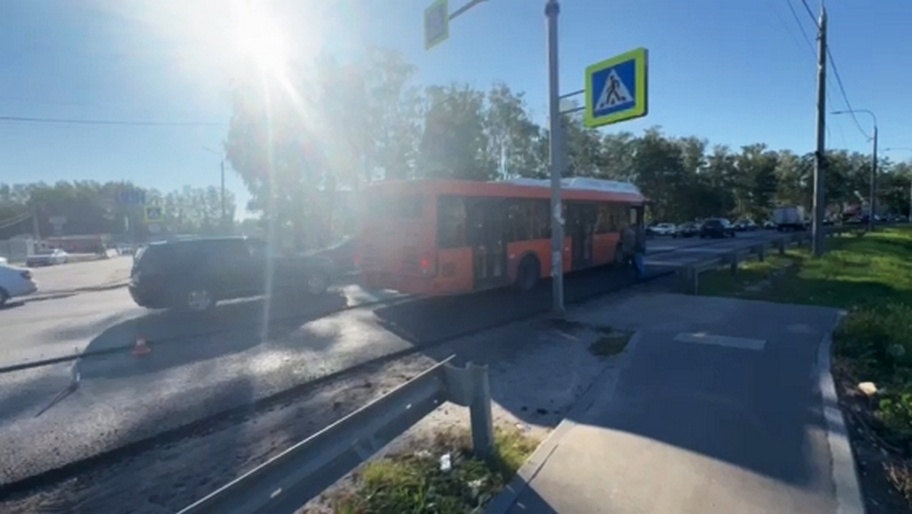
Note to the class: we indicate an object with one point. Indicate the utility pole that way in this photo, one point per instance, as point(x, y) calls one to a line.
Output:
point(873, 200)
point(552, 10)
point(818, 236)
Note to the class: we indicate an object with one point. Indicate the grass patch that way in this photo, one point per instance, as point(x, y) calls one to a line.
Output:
point(870, 277)
point(610, 343)
point(415, 482)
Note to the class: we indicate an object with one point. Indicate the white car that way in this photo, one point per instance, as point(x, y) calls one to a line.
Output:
point(15, 282)
point(663, 229)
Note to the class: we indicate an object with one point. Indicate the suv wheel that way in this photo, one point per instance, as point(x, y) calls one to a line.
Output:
point(316, 283)
point(4, 297)
point(199, 300)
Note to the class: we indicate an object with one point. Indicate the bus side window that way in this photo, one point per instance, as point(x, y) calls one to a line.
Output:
point(451, 221)
point(603, 224)
point(519, 220)
point(541, 219)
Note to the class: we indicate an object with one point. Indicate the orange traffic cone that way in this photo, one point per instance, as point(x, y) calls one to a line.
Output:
point(141, 348)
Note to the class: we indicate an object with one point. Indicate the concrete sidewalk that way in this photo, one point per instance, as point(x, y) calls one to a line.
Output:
point(721, 406)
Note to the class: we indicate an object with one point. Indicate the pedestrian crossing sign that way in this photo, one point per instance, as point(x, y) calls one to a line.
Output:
point(616, 89)
point(153, 214)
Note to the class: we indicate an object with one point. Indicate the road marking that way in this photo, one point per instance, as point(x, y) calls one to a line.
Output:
point(741, 343)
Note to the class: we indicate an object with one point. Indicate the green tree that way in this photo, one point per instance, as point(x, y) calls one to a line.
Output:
point(454, 144)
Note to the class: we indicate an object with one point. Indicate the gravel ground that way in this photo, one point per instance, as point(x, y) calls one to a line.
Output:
point(537, 372)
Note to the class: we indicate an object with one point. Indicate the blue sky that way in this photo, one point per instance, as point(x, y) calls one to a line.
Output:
point(734, 72)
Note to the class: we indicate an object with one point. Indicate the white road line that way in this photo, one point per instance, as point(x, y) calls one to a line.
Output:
point(845, 477)
point(741, 343)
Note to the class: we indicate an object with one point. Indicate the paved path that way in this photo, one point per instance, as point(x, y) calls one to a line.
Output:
point(719, 409)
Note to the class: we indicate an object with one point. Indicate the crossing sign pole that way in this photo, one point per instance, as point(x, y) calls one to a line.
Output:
point(616, 89)
point(556, 151)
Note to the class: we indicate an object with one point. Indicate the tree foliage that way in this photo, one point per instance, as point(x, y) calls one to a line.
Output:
point(93, 208)
point(375, 123)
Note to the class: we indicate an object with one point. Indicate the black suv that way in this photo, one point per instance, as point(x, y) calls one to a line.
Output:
point(717, 227)
point(194, 274)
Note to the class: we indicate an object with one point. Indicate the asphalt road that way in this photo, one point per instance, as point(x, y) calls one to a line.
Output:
point(241, 352)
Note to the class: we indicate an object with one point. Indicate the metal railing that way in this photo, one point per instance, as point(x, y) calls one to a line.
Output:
point(286, 482)
point(690, 274)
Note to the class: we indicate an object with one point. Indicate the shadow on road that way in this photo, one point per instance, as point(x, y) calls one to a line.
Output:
point(755, 414)
point(436, 319)
point(178, 338)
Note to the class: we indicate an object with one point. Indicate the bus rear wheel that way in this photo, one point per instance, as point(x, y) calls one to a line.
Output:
point(528, 273)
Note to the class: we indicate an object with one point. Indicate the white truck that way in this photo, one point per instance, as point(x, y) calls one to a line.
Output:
point(789, 217)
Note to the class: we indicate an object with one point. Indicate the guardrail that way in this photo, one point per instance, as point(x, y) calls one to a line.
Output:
point(690, 275)
point(286, 482)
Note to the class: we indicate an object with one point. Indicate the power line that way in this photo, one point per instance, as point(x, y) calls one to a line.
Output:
point(128, 123)
point(810, 12)
point(810, 46)
point(842, 91)
point(801, 28)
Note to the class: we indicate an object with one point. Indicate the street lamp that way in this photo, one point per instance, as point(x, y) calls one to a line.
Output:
point(873, 164)
point(907, 149)
point(222, 194)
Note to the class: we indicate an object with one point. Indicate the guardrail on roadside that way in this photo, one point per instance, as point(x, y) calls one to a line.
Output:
point(287, 481)
point(690, 275)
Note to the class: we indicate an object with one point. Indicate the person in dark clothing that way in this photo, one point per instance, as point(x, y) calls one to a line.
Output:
point(639, 252)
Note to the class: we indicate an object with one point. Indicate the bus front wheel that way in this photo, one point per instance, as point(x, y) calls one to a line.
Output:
point(528, 273)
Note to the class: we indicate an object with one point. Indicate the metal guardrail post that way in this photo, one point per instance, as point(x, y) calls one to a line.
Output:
point(289, 480)
point(733, 263)
point(780, 245)
point(480, 411)
point(760, 250)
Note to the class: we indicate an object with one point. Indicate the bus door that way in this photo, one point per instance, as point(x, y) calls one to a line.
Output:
point(485, 233)
point(581, 220)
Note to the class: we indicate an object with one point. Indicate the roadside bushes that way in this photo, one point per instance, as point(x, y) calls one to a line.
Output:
point(878, 341)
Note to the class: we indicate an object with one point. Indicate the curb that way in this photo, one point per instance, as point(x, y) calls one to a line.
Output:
point(600, 389)
point(843, 469)
point(54, 295)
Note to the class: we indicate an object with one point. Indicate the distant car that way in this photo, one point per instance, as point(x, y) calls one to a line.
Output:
point(686, 230)
point(769, 224)
point(15, 282)
point(662, 229)
point(47, 258)
point(195, 274)
point(124, 249)
point(717, 227)
point(745, 225)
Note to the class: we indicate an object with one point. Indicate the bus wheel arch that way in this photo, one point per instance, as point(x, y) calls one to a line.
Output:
point(528, 272)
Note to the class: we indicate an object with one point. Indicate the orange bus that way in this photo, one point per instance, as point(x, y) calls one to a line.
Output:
point(444, 237)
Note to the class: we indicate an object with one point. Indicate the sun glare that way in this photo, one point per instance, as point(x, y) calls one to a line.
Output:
point(258, 37)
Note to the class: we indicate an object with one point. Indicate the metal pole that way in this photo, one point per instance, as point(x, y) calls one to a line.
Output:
point(818, 237)
point(873, 200)
point(480, 416)
point(224, 223)
point(552, 9)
